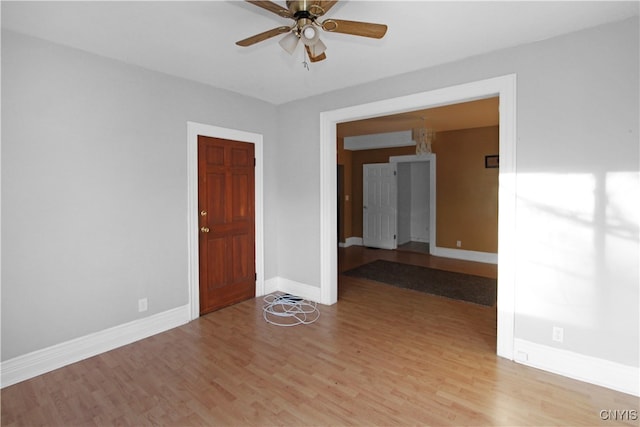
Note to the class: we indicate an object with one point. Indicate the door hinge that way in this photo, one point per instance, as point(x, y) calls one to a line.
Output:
point(255, 276)
point(394, 237)
point(254, 162)
point(395, 173)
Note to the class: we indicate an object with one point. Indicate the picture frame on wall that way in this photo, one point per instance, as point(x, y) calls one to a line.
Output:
point(492, 161)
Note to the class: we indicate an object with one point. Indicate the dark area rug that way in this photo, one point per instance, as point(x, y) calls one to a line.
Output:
point(465, 287)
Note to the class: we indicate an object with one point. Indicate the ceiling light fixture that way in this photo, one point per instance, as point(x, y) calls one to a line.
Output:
point(309, 35)
point(317, 48)
point(289, 42)
point(423, 137)
point(308, 25)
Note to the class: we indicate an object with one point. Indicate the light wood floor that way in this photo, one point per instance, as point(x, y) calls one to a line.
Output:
point(380, 356)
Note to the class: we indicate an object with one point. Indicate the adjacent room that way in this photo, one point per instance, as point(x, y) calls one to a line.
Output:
point(458, 198)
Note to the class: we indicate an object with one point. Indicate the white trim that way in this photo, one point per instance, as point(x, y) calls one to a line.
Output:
point(507, 217)
point(193, 130)
point(271, 285)
point(351, 241)
point(505, 88)
point(578, 366)
point(36, 363)
point(280, 284)
point(431, 158)
point(419, 239)
point(328, 208)
point(486, 257)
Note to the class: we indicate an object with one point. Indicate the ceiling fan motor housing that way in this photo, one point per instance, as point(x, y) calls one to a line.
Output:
point(312, 8)
point(305, 22)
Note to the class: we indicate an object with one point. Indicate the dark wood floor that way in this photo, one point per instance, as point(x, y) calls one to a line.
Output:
point(412, 253)
point(380, 356)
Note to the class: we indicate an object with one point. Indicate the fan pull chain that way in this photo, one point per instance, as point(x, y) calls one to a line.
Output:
point(305, 64)
point(305, 59)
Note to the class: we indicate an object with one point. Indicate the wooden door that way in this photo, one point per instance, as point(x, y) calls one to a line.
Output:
point(379, 210)
point(226, 186)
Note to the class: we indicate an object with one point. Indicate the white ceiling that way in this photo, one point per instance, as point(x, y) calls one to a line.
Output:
point(196, 40)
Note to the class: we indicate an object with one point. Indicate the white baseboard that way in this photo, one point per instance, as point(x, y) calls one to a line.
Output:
point(486, 257)
point(420, 239)
point(280, 284)
point(271, 285)
point(578, 366)
point(351, 241)
point(36, 363)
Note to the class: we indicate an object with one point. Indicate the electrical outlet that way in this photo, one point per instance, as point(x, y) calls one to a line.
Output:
point(459, 243)
point(142, 305)
point(558, 334)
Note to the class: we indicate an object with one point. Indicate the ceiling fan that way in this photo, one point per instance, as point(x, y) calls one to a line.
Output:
point(306, 28)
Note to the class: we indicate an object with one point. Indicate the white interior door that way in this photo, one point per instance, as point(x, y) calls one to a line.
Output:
point(379, 217)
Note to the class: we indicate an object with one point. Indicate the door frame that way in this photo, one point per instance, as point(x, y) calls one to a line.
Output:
point(429, 158)
point(505, 88)
point(193, 257)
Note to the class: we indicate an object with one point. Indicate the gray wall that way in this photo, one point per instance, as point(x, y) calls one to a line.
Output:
point(420, 190)
point(413, 202)
point(404, 202)
point(94, 186)
point(577, 178)
point(94, 189)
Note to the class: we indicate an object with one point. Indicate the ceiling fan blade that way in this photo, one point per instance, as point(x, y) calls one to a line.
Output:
point(272, 7)
point(355, 28)
point(319, 8)
point(263, 36)
point(318, 58)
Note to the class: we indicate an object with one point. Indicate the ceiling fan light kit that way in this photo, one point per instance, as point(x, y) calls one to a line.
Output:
point(307, 27)
point(309, 35)
point(289, 42)
point(317, 49)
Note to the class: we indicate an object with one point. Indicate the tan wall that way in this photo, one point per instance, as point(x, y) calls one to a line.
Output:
point(345, 196)
point(467, 193)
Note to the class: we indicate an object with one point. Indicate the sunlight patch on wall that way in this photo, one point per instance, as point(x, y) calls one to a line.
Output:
point(619, 273)
point(578, 248)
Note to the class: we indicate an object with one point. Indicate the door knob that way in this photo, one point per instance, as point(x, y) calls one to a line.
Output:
point(204, 229)
point(203, 213)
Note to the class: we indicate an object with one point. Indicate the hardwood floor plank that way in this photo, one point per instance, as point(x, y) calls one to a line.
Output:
point(380, 356)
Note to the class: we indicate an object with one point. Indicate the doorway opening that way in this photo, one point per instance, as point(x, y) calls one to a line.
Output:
point(502, 87)
point(416, 203)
